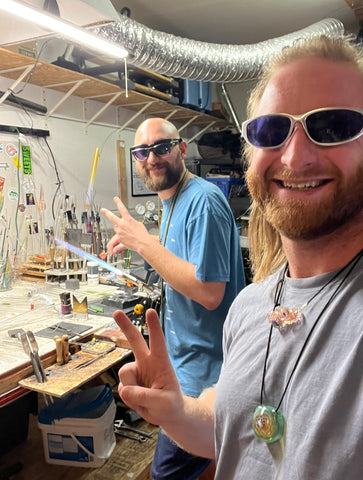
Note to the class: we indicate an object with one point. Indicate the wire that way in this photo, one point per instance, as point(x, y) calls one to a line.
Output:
point(32, 70)
point(20, 104)
point(107, 138)
point(59, 181)
point(17, 209)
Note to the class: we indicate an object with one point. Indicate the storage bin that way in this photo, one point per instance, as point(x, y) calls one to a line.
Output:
point(197, 95)
point(78, 430)
point(225, 183)
point(205, 96)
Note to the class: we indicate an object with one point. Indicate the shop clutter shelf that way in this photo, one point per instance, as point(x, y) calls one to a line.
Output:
point(17, 67)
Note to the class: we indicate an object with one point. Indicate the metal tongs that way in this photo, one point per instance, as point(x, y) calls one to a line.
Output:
point(31, 348)
point(123, 429)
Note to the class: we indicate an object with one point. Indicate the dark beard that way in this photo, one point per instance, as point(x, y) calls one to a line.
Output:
point(171, 177)
point(305, 220)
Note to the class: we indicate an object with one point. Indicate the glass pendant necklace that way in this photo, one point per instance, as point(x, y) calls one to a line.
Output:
point(280, 316)
point(268, 422)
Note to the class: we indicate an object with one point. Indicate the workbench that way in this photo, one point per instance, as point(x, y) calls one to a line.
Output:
point(35, 306)
point(32, 306)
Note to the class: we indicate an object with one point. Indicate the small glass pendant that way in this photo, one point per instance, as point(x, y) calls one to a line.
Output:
point(268, 424)
point(282, 316)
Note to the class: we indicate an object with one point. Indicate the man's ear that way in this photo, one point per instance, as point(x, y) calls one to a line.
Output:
point(183, 146)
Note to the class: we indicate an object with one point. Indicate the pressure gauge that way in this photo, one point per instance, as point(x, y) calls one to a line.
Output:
point(148, 217)
point(140, 209)
point(150, 205)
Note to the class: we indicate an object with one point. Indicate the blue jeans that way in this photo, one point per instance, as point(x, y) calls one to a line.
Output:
point(173, 463)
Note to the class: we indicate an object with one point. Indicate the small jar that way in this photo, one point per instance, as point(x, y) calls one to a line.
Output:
point(92, 273)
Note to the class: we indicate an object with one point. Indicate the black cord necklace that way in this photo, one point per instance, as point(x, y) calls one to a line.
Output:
point(176, 194)
point(268, 422)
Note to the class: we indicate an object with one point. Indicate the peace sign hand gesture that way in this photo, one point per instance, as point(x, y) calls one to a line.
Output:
point(149, 384)
point(129, 233)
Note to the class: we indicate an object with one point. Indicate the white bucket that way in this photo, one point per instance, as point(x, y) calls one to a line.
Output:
point(82, 442)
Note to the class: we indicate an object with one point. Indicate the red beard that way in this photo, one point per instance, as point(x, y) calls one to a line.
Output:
point(309, 219)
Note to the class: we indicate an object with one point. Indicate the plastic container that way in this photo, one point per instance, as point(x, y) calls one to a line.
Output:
point(77, 429)
point(197, 95)
point(92, 273)
point(93, 280)
point(225, 184)
point(205, 96)
point(92, 268)
point(191, 94)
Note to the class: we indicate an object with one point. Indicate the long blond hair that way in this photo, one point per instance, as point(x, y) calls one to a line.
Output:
point(265, 247)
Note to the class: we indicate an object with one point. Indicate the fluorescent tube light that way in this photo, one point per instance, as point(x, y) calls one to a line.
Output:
point(65, 29)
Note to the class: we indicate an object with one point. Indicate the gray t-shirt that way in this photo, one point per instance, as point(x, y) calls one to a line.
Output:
point(323, 405)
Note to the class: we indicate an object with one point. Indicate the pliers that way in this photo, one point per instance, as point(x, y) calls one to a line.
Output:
point(30, 347)
point(121, 428)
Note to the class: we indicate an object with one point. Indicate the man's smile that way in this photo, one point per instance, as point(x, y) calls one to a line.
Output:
point(301, 185)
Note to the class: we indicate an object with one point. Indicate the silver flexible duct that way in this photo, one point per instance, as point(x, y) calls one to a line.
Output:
point(183, 58)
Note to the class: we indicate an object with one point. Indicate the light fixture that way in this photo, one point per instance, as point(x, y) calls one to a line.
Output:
point(64, 28)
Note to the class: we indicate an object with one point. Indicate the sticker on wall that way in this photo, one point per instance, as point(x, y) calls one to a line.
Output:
point(13, 195)
point(2, 181)
point(28, 224)
point(11, 150)
point(21, 207)
point(30, 199)
point(17, 163)
point(27, 159)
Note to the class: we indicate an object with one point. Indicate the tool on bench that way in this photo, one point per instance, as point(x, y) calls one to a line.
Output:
point(62, 349)
point(63, 328)
point(15, 333)
point(80, 307)
point(121, 428)
point(58, 327)
point(95, 347)
point(90, 361)
point(30, 347)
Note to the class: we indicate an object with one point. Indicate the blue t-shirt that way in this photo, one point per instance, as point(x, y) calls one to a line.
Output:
point(202, 231)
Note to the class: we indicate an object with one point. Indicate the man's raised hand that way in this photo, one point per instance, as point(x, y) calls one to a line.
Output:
point(149, 384)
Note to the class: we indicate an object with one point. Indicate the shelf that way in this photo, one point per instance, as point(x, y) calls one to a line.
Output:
point(46, 75)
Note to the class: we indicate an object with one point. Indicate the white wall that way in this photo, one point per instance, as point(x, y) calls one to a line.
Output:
point(73, 145)
point(73, 148)
point(238, 94)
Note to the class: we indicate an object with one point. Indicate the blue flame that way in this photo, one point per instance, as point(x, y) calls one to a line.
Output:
point(90, 257)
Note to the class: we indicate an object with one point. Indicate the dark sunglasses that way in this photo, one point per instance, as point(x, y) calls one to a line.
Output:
point(159, 148)
point(324, 126)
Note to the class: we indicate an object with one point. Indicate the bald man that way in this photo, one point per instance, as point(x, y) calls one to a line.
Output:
point(198, 256)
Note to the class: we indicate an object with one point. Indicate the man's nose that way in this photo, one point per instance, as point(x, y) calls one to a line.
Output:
point(152, 156)
point(299, 152)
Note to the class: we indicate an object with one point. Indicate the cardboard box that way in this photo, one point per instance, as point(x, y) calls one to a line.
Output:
point(29, 49)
